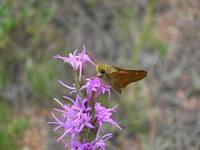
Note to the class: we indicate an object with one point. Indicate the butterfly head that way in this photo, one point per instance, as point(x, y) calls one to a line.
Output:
point(103, 70)
point(100, 70)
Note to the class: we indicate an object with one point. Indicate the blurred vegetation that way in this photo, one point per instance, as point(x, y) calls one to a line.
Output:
point(11, 128)
point(158, 36)
point(23, 44)
point(25, 64)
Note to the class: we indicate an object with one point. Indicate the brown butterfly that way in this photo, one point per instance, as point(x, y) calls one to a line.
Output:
point(118, 78)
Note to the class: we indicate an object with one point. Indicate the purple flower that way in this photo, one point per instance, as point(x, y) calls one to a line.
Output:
point(95, 85)
point(77, 61)
point(97, 144)
point(72, 118)
point(72, 88)
point(104, 115)
point(100, 142)
point(84, 56)
point(84, 117)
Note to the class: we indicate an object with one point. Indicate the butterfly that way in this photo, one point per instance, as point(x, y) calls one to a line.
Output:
point(118, 78)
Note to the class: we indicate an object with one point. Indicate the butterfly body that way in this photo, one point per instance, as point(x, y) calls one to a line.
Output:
point(118, 78)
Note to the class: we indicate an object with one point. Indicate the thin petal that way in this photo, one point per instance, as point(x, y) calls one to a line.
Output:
point(58, 101)
point(56, 118)
point(66, 97)
point(58, 127)
point(62, 136)
point(65, 85)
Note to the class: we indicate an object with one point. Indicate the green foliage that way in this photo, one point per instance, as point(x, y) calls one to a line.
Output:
point(24, 27)
point(11, 128)
point(15, 14)
point(135, 118)
point(157, 45)
point(146, 35)
point(42, 78)
point(126, 22)
point(3, 78)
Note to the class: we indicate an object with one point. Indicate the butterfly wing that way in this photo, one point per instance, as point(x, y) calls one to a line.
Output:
point(123, 77)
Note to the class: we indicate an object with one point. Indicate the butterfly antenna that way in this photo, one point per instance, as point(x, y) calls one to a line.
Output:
point(88, 52)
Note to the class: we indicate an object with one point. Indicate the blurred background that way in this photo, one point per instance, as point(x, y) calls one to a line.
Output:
point(161, 112)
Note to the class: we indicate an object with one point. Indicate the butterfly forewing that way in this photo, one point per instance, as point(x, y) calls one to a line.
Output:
point(122, 77)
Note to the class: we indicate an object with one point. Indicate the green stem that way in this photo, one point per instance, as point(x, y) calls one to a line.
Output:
point(78, 84)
